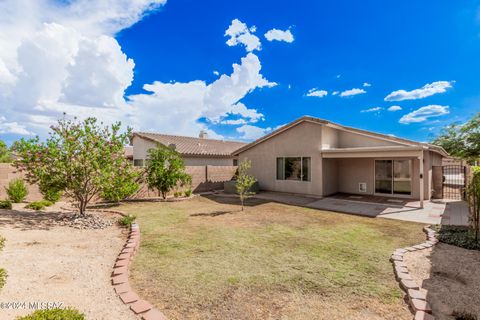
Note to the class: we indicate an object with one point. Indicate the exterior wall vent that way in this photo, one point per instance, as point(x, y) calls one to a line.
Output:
point(362, 187)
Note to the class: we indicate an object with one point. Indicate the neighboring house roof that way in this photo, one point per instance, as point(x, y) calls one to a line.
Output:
point(190, 146)
point(400, 141)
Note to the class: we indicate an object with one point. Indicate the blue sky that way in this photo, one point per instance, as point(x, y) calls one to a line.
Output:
point(166, 66)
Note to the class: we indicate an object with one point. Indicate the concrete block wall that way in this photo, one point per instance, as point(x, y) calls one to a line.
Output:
point(9, 173)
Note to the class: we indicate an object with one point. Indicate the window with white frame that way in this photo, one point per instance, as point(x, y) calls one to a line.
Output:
point(294, 168)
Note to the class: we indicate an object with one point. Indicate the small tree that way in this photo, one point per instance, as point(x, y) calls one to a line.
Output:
point(80, 158)
point(473, 197)
point(165, 170)
point(245, 181)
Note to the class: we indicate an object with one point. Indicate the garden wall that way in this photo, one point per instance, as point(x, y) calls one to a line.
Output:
point(8, 173)
point(204, 178)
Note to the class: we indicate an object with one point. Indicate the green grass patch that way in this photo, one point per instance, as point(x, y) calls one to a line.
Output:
point(54, 314)
point(195, 253)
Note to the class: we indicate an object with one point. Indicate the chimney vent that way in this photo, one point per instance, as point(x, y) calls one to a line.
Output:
point(203, 134)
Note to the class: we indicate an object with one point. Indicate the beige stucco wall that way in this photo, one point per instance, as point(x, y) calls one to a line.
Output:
point(301, 140)
point(141, 147)
point(330, 176)
point(331, 172)
point(351, 140)
point(329, 137)
point(351, 172)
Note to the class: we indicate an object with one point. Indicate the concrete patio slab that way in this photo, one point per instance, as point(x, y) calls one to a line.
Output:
point(446, 212)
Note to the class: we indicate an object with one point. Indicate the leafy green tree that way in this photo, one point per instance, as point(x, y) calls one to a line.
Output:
point(81, 158)
point(165, 170)
point(122, 186)
point(5, 154)
point(244, 181)
point(462, 140)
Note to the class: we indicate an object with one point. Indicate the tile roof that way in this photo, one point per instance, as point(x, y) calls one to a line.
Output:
point(344, 128)
point(194, 146)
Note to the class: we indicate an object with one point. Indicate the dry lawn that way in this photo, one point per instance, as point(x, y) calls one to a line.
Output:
point(451, 276)
point(205, 259)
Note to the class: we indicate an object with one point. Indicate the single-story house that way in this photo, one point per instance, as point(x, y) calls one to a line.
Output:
point(318, 157)
point(199, 151)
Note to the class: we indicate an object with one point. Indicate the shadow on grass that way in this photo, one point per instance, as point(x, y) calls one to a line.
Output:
point(215, 213)
point(235, 200)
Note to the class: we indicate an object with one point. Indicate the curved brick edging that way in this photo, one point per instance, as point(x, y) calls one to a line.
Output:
point(120, 282)
point(416, 297)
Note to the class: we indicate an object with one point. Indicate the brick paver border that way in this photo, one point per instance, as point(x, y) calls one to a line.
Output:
point(120, 273)
point(417, 297)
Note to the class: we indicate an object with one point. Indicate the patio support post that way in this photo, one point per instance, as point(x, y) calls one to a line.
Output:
point(422, 179)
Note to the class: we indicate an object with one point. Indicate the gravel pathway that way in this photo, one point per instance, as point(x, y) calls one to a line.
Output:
point(53, 264)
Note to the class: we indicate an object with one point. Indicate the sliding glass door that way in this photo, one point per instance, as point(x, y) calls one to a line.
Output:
point(393, 177)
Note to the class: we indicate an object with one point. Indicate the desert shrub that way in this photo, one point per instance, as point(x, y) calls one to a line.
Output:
point(3, 277)
point(6, 204)
point(51, 194)
point(39, 205)
point(17, 190)
point(54, 314)
point(188, 192)
point(458, 236)
point(127, 220)
point(2, 242)
point(177, 194)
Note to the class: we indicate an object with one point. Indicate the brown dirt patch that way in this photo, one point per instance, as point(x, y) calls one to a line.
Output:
point(59, 264)
point(452, 278)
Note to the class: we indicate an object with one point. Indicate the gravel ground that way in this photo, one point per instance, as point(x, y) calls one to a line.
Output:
point(451, 276)
point(59, 264)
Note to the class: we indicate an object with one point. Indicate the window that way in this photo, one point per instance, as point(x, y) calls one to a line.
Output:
point(138, 162)
point(294, 168)
point(235, 162)
point(280, 168)
point(393, 177)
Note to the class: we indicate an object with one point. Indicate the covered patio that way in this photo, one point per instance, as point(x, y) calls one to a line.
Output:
point(398, 172)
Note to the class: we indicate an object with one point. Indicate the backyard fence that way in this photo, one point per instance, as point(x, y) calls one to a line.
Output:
point(204, 178)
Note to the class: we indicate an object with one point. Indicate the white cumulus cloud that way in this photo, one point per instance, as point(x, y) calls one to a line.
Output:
point(426, 91)
point(352, 92)
point(178, 106)
point(279, 35)
point(63, 57)
point(394, 108)
point(239, 33)
point(316, 93)
point(372, 109)
point(366, 84)
point(250, 132)
point(424, 113)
